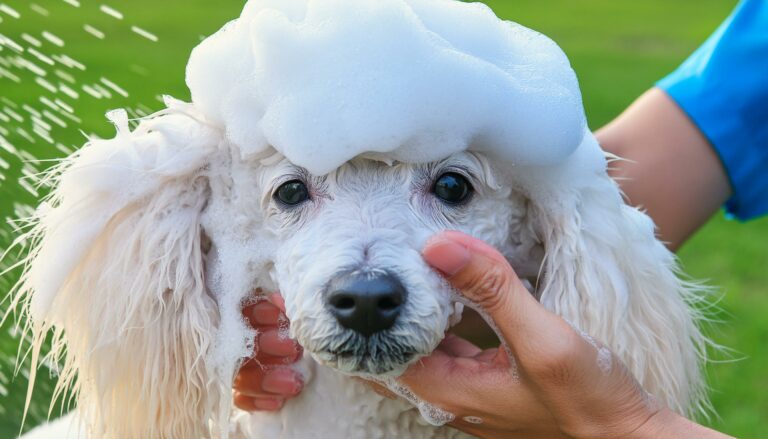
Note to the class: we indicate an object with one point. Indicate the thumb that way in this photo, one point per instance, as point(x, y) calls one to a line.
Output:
point(484, 277)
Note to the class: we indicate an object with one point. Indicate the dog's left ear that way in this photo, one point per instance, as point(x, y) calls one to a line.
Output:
point(606, 272)
point(117, 272)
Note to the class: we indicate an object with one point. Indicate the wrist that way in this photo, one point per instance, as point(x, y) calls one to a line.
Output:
point(660, 424)
point(668, 424)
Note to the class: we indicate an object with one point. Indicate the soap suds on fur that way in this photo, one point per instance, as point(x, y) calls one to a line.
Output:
point(432, 414)
point(323, 81)
point(283, 328)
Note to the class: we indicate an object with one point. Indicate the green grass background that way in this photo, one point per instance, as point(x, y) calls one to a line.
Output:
point(619, 48)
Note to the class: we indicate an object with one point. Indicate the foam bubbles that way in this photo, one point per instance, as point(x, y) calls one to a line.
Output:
point(604, 360)
point(283, 328)
point(604, 355)
point(432, 414)
point(323, 81)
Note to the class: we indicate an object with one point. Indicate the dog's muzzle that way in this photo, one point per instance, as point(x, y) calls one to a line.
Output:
point(366, 302)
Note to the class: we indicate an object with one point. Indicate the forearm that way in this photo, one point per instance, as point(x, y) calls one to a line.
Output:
point(668, 167)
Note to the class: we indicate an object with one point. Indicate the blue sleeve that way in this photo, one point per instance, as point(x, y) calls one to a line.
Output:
point(723, 87)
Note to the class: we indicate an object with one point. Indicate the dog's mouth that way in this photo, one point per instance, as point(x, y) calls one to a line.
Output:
point(381, 355)
point(368, 363)
point(371, 327)
point(378, 355)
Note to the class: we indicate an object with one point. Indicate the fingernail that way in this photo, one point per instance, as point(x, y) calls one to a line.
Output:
point(267, 404)
point(277, 300)
point(265, 314)
point(297, 356)
point(447, 256)
point(273, 343)
point(283, 382)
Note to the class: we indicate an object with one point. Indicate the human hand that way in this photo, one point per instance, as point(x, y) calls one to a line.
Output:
point(266, 381)
point(561, 383)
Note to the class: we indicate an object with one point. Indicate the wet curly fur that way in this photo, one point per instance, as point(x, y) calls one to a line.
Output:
point(150, 242)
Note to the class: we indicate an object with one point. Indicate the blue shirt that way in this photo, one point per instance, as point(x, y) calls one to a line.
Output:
point(723, 87)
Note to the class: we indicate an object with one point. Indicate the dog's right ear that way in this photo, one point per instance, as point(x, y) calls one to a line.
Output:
point(116, 272)
point(605, 272)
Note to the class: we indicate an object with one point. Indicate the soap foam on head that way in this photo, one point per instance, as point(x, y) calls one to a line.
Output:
point(323, 81)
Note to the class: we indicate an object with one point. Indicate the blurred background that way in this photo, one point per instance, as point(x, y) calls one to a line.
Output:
point(64, 63)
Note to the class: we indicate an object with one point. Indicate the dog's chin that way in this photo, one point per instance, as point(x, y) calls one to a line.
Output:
point(378, 356)
point(366, 365)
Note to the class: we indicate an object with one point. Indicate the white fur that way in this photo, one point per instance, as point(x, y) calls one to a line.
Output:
point(136, 304)
point(151, 242)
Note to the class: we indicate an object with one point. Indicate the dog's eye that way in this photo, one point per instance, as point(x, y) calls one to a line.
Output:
point(452, 188)
point(292, 193)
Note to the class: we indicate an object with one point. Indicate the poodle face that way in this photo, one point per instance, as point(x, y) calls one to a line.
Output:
point(347, 257)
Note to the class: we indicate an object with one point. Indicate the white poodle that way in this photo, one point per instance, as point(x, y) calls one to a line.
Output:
point(326, 141)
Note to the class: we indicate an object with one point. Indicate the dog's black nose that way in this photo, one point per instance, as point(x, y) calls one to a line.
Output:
point(366, 302)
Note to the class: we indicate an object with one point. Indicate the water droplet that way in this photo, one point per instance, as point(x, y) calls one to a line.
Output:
point(10, 11)
point(144, 33)
point(39, 9)
point(93, 31)
point(112, 12)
